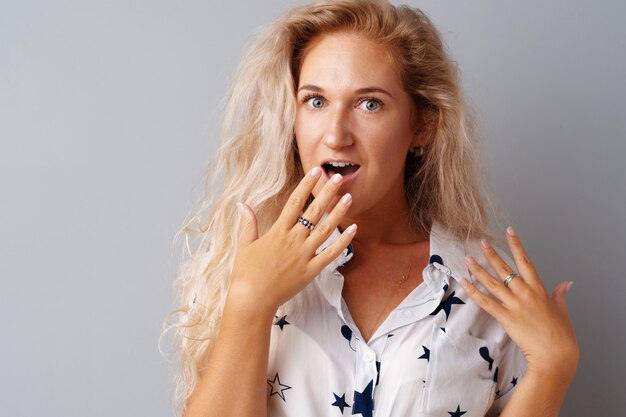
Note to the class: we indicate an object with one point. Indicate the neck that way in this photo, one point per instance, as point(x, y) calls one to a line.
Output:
point(385, 226)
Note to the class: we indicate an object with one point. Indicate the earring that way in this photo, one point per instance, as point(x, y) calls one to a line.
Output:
point(417, 151)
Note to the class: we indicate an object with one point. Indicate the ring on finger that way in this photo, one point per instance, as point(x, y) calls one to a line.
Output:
point(510, 278)
point(306, 223)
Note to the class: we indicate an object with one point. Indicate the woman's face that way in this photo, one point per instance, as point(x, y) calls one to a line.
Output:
point(352, 108)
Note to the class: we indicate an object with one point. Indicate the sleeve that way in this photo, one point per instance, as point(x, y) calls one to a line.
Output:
point(511, 369)
point(513, 364)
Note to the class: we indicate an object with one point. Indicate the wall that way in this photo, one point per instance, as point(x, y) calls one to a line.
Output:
point(108, 116)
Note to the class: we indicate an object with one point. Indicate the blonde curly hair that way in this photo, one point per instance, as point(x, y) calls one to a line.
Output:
point(257, 162)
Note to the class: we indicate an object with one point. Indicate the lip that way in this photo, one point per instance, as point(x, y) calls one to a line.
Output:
point(347, 179)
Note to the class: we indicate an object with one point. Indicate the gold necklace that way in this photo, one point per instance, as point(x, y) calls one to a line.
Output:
point(404, 278)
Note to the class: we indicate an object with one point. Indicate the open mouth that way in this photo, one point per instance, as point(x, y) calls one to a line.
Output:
point(343, 169)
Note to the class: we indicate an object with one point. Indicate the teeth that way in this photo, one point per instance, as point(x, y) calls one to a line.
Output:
point(340, 164)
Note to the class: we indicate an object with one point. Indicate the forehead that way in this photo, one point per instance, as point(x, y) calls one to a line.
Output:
point(348, 58)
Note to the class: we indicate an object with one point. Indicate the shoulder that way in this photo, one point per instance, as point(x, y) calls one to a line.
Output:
point(453, 251)
point(474, 249)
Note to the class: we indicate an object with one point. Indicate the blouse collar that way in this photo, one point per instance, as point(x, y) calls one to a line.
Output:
point(446, 260)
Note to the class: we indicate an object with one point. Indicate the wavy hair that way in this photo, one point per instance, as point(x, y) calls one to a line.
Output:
point(257, 161)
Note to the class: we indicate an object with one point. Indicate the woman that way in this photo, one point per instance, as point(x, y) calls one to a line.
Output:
point(346, 115)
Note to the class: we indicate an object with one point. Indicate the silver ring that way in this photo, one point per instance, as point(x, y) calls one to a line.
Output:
point(509, 279)
point(306, 223)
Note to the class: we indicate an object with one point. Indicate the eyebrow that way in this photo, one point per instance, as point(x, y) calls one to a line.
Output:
point(364, 90)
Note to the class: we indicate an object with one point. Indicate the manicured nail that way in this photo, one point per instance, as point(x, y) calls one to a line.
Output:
point(351, 230)
point(510, 231)
point(464, 282)
point(569, 285)
point(346, 199)
point(241, 209)
point(485, 244)
point(470, 260)
point(315, 172)
point(336, 179)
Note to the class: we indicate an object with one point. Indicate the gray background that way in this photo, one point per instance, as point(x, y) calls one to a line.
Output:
point(108, 114)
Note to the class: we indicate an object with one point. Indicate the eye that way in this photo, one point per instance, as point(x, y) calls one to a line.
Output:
point(371, 104)
point(316, 101)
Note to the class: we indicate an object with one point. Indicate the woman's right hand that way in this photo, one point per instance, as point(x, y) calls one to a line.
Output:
point(271, 269)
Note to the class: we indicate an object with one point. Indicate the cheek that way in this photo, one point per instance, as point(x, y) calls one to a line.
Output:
point(391, 146)
point(299, 131)
point(306, 145)
point(305, 154)
point(387, 158)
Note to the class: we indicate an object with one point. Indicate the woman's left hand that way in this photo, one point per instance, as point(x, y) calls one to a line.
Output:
point(537, 322)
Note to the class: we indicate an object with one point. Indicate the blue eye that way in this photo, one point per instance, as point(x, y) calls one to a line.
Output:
point(315, 101)
point(371, 104)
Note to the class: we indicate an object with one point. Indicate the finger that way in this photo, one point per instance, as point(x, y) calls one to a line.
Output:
point(330, 253)
point(249, 231)
point(522, 260)
point(502, 269)
point(292, 210)
point(316, 209)
point(488, 304)
point(491, 283)
point(559, 295)
point(323, 230)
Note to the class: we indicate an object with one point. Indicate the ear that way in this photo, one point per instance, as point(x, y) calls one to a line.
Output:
point(420, 138)
point(424, 129)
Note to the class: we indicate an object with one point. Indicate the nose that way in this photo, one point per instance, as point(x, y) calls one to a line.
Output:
point(338, 131)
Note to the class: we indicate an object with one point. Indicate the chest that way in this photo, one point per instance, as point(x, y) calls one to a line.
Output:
point(373, 288)
point(421, 365)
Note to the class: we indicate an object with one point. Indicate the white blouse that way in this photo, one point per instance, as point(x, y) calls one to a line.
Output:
point(436, 354)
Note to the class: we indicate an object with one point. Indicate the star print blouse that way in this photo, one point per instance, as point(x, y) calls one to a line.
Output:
point(436, 354)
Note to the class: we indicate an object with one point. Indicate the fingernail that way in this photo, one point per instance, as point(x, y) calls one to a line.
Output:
point(351, 230)
point(346, 199)
point(336, 179)
point(485, 244)
point(569, 285)
point(315, 172)
point(464, 282)
point(241, 209)
point(470, 260)
point(510, 231)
